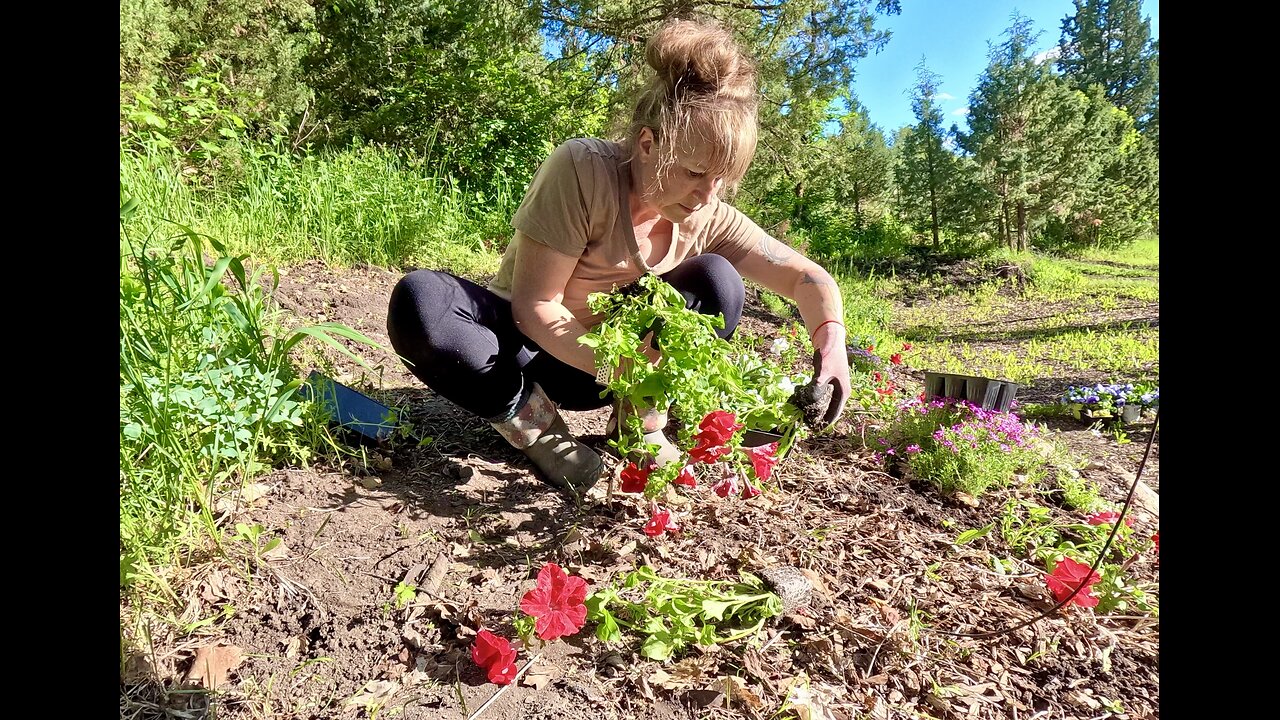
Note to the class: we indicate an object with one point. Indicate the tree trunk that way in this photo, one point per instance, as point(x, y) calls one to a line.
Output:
point(933, 215)
point(1022, 226)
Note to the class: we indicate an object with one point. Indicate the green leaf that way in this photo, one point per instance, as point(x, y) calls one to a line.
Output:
point(715, 609)
point(607, 628)
point(658, 646)
point(969, 536)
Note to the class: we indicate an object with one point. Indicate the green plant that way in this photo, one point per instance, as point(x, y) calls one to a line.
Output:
point(250, 534)
point(207, 394)
point(698, 372)
point(776, 303)
point(959, 446)
point(1078, 493)
point(674, 614)
point(405, 593)
point(1031, 530)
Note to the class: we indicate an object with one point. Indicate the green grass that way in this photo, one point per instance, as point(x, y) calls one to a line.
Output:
point(1129, 352)
point(357, 206)
point(208, 400)
point(1142, 254)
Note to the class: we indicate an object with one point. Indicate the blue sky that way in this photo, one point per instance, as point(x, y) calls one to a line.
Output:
point(952, 36)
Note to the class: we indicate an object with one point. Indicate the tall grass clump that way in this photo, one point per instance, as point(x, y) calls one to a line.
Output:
point(207, 395)
point(362, 205)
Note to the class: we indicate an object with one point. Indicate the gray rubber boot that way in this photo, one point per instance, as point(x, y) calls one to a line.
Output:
point(653, 423)
point(539, 432)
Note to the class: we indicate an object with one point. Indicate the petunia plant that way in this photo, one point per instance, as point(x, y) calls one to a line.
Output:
point(717, 454)
point(698, 372)
point(1032, 530)
point(553, 609)
point(674, 614)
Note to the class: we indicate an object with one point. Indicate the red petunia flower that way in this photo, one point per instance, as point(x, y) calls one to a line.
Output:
point(906, 347)
point(727, 486)
point(871, 348)
point(763, 458)
point(634, 480)
point(877, 376)
point(1156, 539)
point(659, 523)
point(896, 359)
point(1107, 517)
point(1066, 576)
point(496, 656)
point(556, 603)
point(686, 477)
point(717, 427)
point(709, 455)
point(748, 490)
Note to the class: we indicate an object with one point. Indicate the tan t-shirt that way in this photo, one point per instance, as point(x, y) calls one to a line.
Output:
point(578, 204)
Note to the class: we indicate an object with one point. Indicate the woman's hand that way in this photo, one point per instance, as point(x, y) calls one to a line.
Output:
point(831, 365)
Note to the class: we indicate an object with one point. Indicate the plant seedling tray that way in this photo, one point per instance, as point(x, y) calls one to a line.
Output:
point(350, 409)
point(989, 393)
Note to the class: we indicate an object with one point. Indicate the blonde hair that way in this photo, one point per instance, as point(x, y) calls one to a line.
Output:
point(704, 84)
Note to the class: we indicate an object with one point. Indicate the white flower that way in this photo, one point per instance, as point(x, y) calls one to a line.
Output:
point(786, 385)
point(779, 346)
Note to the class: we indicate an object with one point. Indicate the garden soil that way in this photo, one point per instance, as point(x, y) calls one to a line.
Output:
point(313, 629)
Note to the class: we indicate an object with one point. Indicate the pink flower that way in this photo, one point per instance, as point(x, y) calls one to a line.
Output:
point(763, 458)
point(496, 656)
point(748, 490)
point(913, 449)
point(686, 477)
point(556, 603)
point(1107, 517)
point(1066, 576)
point(727, 486)
point(660, 523)
point(634, 480)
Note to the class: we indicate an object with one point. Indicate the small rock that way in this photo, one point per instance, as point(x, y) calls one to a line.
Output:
point(370, 482)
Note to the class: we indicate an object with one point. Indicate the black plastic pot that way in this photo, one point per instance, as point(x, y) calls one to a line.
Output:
point(988, 393)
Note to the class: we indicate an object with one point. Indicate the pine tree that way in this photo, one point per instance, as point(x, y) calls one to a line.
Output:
point(1108, 42)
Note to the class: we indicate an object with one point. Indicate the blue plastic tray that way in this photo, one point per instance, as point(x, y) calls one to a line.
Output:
point(349, 408)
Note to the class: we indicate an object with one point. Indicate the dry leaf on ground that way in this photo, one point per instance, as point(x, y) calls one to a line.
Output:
point(374, 692)
point(213, 664)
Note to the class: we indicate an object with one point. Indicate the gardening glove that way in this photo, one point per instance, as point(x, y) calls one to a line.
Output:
point(831, 366)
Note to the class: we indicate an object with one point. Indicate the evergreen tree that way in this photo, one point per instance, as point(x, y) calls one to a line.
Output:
point(1109, 43)
point(1025, 134)
point(927, 169)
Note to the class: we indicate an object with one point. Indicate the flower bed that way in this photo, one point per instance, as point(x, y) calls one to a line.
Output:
point(1111, 401)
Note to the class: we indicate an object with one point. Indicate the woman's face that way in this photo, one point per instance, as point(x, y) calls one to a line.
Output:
point(683, 187)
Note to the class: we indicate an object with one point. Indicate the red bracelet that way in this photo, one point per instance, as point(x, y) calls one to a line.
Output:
point(815, 330)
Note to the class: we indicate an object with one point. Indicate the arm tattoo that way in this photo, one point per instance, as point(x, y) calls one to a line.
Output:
point(810, 279)
point(775, 252)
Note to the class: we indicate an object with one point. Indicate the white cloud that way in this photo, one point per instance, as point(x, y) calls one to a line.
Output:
point(960, 111)
point(1049, 55)
point(943, 96)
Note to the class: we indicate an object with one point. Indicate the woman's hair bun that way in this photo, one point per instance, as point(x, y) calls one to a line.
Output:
point(699, 57)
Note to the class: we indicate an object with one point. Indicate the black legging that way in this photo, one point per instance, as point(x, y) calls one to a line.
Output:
point(459, 339)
